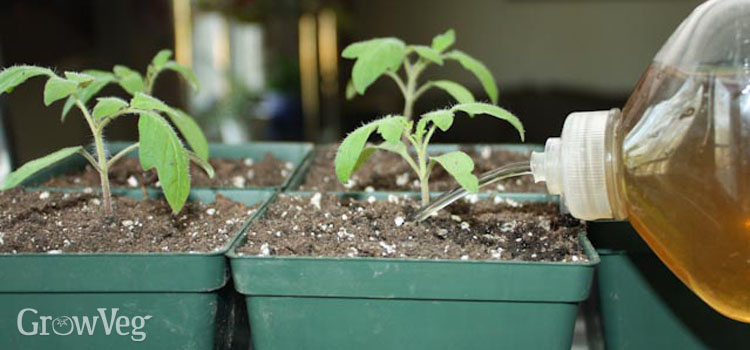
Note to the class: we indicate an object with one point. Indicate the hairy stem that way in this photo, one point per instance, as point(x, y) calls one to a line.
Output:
point(122, 153)
point(101, 157)
point(424, 171)
point(411, 82)
point(90, 158)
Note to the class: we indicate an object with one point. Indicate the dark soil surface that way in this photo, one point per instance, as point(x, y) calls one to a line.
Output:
point(387, 171)
point(240, 173)
point(496, 229)
point(37, 222)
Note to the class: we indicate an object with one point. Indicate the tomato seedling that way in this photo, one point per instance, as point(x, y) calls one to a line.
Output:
point(159, 145)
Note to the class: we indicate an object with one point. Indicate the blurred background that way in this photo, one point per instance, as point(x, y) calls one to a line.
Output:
point(271, 69)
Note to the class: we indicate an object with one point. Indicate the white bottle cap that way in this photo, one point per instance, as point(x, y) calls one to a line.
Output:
point(574, 165)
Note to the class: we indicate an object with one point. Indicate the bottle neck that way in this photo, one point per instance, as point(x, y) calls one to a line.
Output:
point(582, 165)
point(614, 165)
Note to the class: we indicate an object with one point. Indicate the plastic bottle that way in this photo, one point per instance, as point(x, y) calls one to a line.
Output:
point(676, 161)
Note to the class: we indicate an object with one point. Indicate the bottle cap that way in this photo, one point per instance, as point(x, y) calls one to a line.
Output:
point(574, 165)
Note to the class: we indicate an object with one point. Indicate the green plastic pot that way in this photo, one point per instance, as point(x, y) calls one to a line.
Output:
point(299, 178)
point(183, 293)
point(294, 152)
point(644, 306)
point(370, 303)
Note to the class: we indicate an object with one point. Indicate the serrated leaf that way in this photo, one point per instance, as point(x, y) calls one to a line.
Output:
point(351, 153)
point(442, 118)
point(374, 57)
point(188, 128)
point(129, 79)
point(25, 171)
point(391, 128)
point(351, 92)
point(203, 163)
point(81, 78)
point(101, 79)
point(191, 131)
point(107, 106)
point(428, 53)
point(122, 71)
point(141, 100)
point(457, 91)
point(161, 58)
point(444, 41)
point(132, 83)
point(16, 75)
point(58, 88)
point(480, 71)
point(460, 166)
point(398, 148)
point(495, 111)
point(186, 73)
point(160, 148)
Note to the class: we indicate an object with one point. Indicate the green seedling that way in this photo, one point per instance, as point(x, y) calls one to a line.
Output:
point(385, 56)
point(403, 138)
point(159, 145)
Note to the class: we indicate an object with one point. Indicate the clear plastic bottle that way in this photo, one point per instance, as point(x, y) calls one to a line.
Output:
point(676, 161)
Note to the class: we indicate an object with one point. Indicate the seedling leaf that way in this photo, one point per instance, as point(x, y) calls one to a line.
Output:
point(460, 166)
point(148, 102)
point(101, 79)
point(191, 131)
point(161, 58)
point(480, 71)
point(391, 128)
point(160, 148)
point(58, 88)
point(351, 92)
point(129, 79)
point(107, 106)
point(82, 79)
point(428, 53)
point(17, 177)
point(351, 153)
point(442, 118)
point(186, 73)
point(495, 111)
point(444, 41)
point(204, 164)
point(457, 91)
point(187, 126)
point(374, 57)
point(16, 75)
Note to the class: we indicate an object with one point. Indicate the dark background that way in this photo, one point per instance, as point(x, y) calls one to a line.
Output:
point(549, 57)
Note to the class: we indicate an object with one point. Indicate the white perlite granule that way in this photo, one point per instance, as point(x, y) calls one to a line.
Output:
point(132, 181)
point(238, 181)
point(389, 249)
point(265, 250)
point(402, 179)
point(44, 195)
point(315, 200)
point(399, 221)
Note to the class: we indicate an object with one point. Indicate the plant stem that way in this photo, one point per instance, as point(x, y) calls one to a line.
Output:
point(409, 94)
point(122, 153)
point(101, 157)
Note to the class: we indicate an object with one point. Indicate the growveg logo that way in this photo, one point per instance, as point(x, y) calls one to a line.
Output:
point(30, 323)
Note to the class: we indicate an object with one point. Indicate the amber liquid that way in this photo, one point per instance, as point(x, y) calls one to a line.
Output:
point(685, 165)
